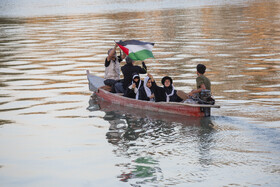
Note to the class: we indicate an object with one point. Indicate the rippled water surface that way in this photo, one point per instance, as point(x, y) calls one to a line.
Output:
point(53, 133)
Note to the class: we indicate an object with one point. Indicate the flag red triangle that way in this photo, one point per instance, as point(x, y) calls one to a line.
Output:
point(124, 49)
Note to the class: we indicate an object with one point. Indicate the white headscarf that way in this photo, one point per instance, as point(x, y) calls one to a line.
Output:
point(136, 90)
point(147, 90)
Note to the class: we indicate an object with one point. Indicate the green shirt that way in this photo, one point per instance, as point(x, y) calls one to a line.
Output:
point(203, 80)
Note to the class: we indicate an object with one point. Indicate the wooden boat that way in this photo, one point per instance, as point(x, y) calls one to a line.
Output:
point(129, 115)
point(187, 109)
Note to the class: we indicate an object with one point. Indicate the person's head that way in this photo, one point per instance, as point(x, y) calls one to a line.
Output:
point(149, 83)
point(129, 60)
point(200, 68)
point(135, 77)
point(167, 81)
point(114, 55)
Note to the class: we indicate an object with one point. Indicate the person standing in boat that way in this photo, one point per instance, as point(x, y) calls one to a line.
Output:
point(129, 69)
point(167, 93)
point(112, 68)
point(146, 92)
point(202, 82)
point(133, 89)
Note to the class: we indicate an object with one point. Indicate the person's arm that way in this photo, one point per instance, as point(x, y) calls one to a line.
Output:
point(121, 57)
point(154, 84)
point(144, 66)
point(132, 88)
point(151, 77)
point(107, 63)
point(112, 53)
point(143, 70)
point(202, 87)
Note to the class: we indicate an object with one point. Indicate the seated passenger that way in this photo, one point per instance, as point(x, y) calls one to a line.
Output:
point(170, 92)
point(133, 89)
point(167, 93)
point(146, 92)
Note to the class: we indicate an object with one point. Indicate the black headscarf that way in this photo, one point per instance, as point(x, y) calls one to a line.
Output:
point(170, 88)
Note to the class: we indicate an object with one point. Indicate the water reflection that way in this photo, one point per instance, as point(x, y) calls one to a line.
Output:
point(131, 122)
point(145, 169)
point(146, 136)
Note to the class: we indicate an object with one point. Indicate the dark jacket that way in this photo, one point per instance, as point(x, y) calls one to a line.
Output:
point(130, 92)
point(128, 70)
point(160, 94)
point(143, 95)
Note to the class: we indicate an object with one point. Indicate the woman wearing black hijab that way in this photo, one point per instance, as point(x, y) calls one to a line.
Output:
point(167, 93)
point(170, 92)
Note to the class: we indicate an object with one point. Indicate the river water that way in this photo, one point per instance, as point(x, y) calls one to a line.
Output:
point(53, 133)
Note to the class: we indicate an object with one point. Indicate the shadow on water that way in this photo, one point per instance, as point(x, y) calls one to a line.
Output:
point(142, 136)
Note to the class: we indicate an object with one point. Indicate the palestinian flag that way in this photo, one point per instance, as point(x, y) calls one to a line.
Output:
point(136, 49)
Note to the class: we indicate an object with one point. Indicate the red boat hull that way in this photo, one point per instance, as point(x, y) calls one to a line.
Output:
point(174, 108)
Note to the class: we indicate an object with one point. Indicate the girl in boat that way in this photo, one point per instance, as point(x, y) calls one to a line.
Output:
point(133, 89)
point(146, 92)
point(167, 93)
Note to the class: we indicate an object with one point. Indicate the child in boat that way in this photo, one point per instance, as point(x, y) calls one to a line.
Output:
point(202, 82)
point(167, 93)
point(146, 92)
point(133, 89)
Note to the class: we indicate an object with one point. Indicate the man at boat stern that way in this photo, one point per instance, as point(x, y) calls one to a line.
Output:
point(112, 67)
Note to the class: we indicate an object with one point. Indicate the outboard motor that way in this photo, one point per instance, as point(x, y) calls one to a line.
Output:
point(206, 98)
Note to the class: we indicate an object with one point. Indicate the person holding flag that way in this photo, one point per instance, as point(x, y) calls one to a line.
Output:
point(135, 51)
point(112, 67)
